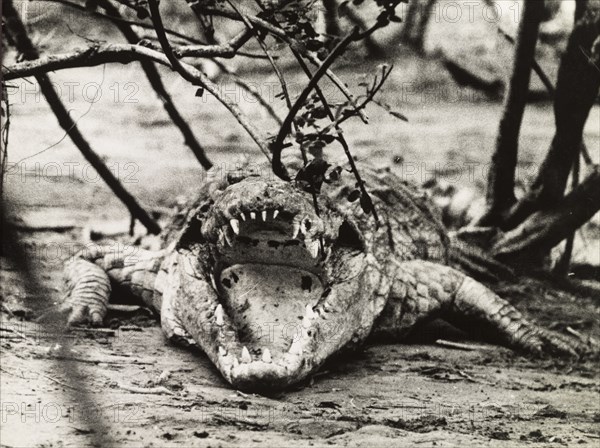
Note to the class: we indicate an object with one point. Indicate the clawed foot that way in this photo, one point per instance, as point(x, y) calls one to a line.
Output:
point(542, 342)
point(77, 312)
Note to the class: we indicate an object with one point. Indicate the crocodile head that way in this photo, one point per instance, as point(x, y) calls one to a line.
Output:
point(290, 288)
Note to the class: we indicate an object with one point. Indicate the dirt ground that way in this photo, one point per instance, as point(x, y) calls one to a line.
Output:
point(125, 383)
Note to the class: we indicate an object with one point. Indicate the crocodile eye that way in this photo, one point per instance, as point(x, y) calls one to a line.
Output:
point(204, 207)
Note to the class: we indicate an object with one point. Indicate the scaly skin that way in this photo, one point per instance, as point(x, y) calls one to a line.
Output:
point(269, 290)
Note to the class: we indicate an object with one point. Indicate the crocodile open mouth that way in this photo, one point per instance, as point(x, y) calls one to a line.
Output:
point(285, 282)
point(269, 277)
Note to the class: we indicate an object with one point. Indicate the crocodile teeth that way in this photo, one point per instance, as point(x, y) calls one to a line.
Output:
point(213, 282)
point(266, 355)
point(235, 225)
point(222, 351)
point(313, 247)
point(295, 348)
point(275, 213)
point(264, 215)
point(219, 315)
point(227, 236)
point(252, 215)
point(243, 216)
point(246, 358)
point(308, 317)
point(296, 229)
point(310, 314)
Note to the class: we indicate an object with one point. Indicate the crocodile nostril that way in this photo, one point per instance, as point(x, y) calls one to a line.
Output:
point(307, 224)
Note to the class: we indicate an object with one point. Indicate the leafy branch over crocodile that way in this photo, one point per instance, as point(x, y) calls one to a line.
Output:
point(270, 291)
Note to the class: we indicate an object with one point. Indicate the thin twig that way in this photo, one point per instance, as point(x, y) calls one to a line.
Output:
point(197, 78)
point(265, 50)
point(340, 135)
point(18, 333)
point(277, 145)
point(121, 20)
point(282, 82)
point(94, 55)
point(156, 82)
point(4, 138)
point(158, 390)
point(368, 98)
point(25, 46)
point(459, 346)
point(198, 50)
point(281, 34)
point(226, 50)
point(250, 89)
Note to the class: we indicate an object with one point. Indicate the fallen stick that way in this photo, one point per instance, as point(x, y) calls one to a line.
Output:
point(459, 345)
point(146, 390)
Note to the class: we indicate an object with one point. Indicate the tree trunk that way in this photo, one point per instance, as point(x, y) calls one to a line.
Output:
point(576, 91)
point(501, 178)
point(415, 24)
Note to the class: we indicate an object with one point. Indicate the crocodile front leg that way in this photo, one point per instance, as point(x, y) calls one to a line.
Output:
point(94, 275)
point(423, 290)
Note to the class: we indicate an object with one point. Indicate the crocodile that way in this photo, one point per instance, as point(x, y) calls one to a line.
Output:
point(269, 289)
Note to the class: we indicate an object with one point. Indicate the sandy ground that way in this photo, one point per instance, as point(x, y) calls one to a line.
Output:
point(128, 384)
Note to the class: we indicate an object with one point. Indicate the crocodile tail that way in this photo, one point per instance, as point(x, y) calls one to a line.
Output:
point(475, 262)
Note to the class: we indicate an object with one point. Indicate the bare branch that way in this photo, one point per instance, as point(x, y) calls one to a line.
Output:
point(19, 36)
point(576, 90)
point(367, 99)
point(198, 78)
point(549, 87)
point(124, 54)
point(279, 33)
point(277, 145)
point(250, 89)
point(120, 19)
point(226, 50)
point(340, 135)
point(94, 55)
point(501, 179)
point(4, 131)
point(546, 228)
point(156, 82)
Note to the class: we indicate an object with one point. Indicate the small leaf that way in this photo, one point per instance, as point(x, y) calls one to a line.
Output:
point(366, 203)
point(334, 174)
point(322, 53)
point(328, 138)
point(200, 92)
point(354, 195)
point(142, 14)
point(319, 113)
point(311, 176)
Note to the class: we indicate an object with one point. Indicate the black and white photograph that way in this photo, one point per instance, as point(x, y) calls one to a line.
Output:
point(300, 223)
